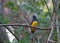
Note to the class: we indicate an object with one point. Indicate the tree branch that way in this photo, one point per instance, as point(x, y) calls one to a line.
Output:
point(25, 22)
point(48, 28)
point(52, 24)
point(10, 31)
point(57, 27)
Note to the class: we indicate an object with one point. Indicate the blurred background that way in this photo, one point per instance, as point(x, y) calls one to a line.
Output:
point(21, 12)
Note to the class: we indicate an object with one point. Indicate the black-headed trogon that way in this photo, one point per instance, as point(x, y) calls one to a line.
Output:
point(34, 23)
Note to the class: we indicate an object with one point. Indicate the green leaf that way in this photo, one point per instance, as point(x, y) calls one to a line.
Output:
point(59, 6)
point(6, 20)
point(16, 8)
point(9, 4)
point(15, 41)
point(1, 19)
point(20, 29)
point(42, 2)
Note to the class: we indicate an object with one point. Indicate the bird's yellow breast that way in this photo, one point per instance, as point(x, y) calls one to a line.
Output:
point(35, 23)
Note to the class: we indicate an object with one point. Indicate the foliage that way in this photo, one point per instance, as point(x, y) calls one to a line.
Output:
point(32, 6)
point(37, 7)
point(26, 38)
point(59, 6)
point(6, 20)
point(1, 19)
point(11, 5)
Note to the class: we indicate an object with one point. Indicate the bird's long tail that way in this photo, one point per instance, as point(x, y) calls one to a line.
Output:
point(32, 36)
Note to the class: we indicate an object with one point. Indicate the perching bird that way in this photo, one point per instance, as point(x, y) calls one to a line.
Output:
point(34, 23)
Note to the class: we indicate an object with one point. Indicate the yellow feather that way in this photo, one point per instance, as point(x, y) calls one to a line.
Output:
point(35, 23)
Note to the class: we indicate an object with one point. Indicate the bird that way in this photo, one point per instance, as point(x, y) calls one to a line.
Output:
point(34, 23)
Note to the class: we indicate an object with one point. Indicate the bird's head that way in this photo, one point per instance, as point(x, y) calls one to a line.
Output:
point(34, 16)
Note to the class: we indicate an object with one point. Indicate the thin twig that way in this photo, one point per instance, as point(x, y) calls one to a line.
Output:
point(47, 6)
point(48, 9)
